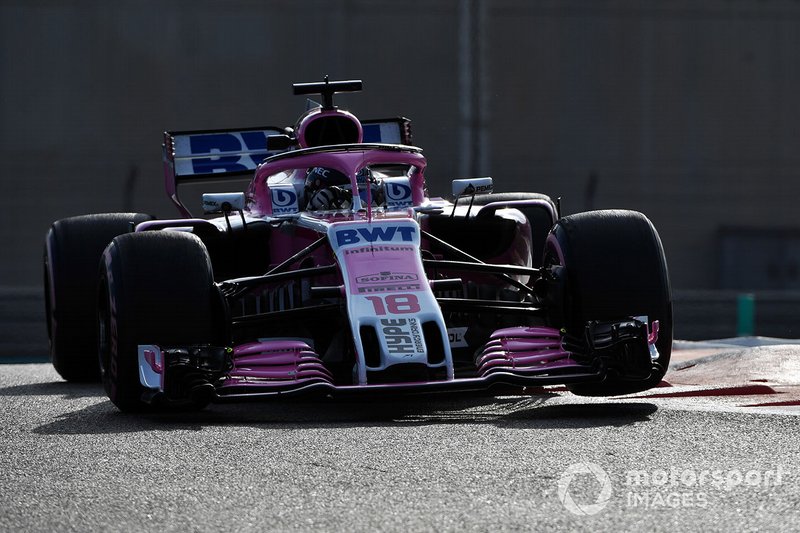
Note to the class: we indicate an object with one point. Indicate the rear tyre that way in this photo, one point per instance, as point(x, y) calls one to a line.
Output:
point(73, 247)
point(155, 288)
point(613, 268)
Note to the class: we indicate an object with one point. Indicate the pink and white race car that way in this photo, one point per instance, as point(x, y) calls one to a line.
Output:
point(334, 274)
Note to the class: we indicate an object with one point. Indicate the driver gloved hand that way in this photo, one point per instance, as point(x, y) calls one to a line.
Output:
point(329, 198)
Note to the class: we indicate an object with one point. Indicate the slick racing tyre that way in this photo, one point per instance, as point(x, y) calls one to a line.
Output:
point(156, 287)
point(613, 269)
point(73, 247)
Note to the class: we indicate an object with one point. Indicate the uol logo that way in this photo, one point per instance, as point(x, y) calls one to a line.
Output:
point(375, 234)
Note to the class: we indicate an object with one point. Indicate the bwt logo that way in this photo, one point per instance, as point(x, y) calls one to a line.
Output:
point(283, 198)
point(397, 192)
point(375, 234)
point(214, 145)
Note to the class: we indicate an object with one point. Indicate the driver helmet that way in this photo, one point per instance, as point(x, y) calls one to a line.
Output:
point(328, 189)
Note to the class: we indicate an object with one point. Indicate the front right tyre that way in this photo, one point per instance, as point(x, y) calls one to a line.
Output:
point(155, 288)
point(73, 247)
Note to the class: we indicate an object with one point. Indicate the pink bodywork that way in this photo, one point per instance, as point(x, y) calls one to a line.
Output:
point(347, 162)
point(276, 363)
point(523, 349)
point(276, 366)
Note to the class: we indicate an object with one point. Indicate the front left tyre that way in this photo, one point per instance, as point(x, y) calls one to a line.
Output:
point(613, 267)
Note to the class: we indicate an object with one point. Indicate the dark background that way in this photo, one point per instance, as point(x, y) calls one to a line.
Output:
point(685, 110)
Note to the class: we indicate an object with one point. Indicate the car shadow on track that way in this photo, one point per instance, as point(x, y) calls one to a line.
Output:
point(545, 411)
point(66, 390)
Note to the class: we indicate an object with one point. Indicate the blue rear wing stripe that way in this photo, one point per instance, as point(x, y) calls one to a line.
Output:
point(218, 153)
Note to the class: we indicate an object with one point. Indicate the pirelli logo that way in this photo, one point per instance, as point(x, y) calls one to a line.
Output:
point(389, 288)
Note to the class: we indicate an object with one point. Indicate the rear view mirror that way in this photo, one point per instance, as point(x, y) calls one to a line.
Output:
point(470, 186)
point(279, 143)
point(224, 202)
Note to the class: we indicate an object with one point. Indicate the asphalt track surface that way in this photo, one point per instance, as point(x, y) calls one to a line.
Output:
point(690, 457)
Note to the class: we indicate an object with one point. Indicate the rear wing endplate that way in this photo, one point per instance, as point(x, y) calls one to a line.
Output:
point(212, 155)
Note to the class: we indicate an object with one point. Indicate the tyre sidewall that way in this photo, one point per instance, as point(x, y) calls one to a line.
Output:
point(73, 247)
point(615, 268)
point(157, 288)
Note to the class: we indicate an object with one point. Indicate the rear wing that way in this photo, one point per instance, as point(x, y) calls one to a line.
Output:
point(213, 155)
point(388, 131)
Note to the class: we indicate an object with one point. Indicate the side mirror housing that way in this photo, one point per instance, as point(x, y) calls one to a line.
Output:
point(224, 202)
point(470, 186)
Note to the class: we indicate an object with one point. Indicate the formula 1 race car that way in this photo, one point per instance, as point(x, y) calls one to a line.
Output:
point(334, 275)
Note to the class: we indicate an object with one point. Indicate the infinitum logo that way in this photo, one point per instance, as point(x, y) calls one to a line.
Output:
point(566, 489)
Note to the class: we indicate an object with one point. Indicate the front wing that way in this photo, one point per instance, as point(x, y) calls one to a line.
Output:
point(513, 357)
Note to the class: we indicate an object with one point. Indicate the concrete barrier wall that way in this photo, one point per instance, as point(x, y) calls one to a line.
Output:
point(23, 333)
point(717, 314)
point(684, 110)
